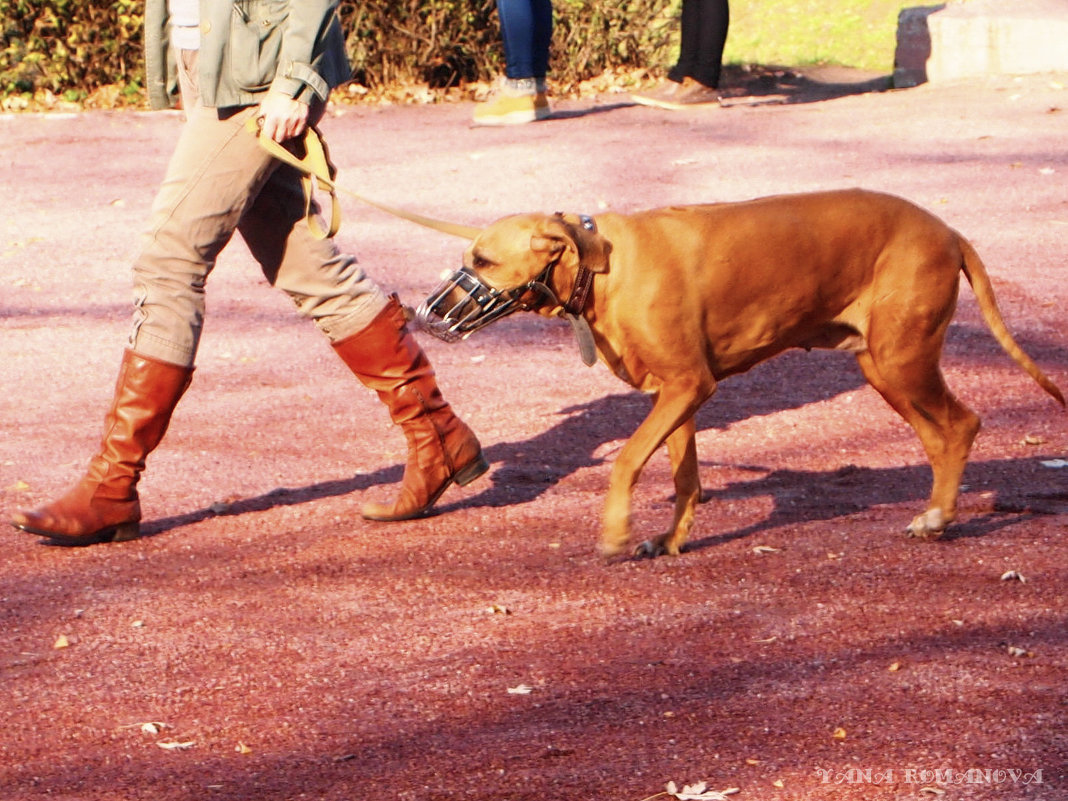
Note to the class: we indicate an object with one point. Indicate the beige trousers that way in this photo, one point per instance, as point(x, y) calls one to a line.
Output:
point(219, 180)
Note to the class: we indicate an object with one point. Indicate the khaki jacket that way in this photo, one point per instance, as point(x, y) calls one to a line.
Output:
point(248, 47)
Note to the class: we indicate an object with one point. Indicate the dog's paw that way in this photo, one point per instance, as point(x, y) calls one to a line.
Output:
point(928, 526)
point(647, 550)
point(650, 549)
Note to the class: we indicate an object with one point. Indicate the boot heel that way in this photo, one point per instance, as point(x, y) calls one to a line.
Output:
point(124, 532)
point(472, 471)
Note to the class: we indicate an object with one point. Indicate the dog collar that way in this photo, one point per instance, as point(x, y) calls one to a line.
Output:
point(580, 291)
point(580, 294)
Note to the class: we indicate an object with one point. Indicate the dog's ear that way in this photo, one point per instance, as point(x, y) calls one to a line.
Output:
point(547, 246)
point(594, 250)
point(573, 243)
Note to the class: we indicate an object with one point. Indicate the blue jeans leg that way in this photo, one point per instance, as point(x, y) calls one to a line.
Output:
point(526, 31)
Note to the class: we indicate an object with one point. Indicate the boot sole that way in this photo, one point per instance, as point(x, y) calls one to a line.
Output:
point(461, 478)
point(123, 532)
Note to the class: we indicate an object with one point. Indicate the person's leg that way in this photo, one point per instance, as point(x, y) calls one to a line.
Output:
point(541, 38)
point(689, 41)
point(103, 506)
point(215, 170)
point(526, 33)
point(328, 287)
point(386, 357)
point(695, 76)
point(368, 332)
point(706, 61)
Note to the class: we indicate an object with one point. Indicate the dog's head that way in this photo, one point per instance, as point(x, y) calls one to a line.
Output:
point(520, 262)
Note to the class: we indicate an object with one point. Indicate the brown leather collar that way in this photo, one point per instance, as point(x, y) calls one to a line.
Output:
point(580, 291)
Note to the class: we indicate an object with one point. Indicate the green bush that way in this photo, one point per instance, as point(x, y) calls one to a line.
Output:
point(77, 46)
point(69, 45)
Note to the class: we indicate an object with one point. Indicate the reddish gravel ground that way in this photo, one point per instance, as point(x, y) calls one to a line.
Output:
point(802, 648)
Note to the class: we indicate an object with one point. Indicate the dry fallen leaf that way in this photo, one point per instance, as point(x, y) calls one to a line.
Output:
point(175, 745)
point(778, 783)
point(762, 549)
point(698, 792)
point(894, 667)
point(839, 733)
point(1032, 439)
point(522, 689)
point(1017, 651)
point(1009, 575)
point(61, 642)
point(496, 609)
point(241, 748)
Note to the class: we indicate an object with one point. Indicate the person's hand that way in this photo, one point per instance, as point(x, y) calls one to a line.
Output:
point(282, 117)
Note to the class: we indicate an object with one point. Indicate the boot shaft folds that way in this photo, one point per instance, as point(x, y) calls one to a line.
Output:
point(103, 506)
point(442, 450)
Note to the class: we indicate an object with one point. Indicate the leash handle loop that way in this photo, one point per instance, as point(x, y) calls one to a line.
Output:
point(316, 168)
point(316, 171)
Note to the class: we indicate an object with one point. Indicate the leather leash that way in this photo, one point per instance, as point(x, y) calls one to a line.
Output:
point(317, 171)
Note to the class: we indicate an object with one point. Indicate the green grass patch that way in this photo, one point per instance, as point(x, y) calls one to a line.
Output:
point(851, 33)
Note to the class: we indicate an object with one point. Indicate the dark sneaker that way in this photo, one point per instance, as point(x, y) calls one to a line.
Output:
point(678, 96)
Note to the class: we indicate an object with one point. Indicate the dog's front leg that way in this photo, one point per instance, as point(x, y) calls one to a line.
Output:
point(682, 448)
point(674, 407)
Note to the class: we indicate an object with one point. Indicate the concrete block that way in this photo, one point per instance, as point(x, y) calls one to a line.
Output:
point(976, 38)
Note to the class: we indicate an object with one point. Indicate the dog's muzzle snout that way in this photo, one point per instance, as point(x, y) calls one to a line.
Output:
point(461, 304)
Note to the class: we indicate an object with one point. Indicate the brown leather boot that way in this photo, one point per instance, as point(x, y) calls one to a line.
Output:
point(103, 506)
point(441, 448)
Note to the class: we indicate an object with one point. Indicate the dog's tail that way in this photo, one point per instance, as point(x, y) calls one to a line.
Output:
point(975, 272)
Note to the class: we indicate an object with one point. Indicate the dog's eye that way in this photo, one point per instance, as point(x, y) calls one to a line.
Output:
point(479, 262)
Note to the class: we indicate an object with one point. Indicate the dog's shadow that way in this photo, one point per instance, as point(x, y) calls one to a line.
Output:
point(801, 497)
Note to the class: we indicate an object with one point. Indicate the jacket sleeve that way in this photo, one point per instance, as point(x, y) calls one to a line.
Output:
point(161, 74)
point(313, 59)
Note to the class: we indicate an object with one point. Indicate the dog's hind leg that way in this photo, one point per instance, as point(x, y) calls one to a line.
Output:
point(675, 404)
point(682, 448)
point(910, 380)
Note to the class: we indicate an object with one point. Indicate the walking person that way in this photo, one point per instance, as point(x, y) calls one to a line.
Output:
point(694, 80)
point(275, 62)
point(526, 32)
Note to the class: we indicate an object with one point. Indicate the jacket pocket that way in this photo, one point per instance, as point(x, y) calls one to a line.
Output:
point(256, 41)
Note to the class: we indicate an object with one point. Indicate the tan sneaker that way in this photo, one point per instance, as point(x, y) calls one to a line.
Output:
point(678, 96)
point(515, 103)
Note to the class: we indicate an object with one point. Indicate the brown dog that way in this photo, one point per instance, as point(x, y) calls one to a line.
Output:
point(679, 298)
